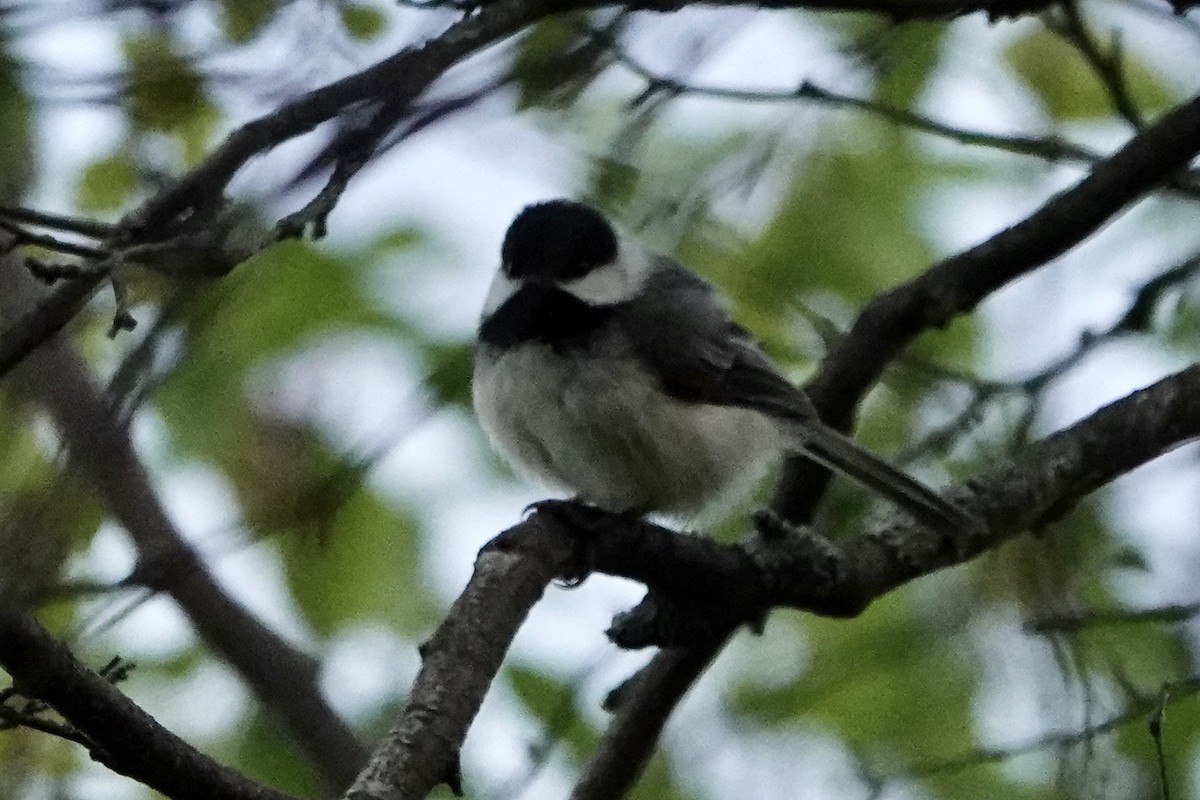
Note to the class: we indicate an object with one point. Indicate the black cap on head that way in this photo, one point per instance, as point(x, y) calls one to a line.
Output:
point(558, 240)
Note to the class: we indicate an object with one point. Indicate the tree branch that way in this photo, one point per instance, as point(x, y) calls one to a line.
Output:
point(394, 83)
point(1049, 148)
point(283, 678)
point(462, 658)
point(460, 661)
point(645, 703)
point(742, 581)
point(126, 739)
point(893, 319)
point(1075, 622)
point(890, 322)
point(1043, 485)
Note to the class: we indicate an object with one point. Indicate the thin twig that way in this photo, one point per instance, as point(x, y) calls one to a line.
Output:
point(1137, 318)
point(15, 719)
point(315, 214)
point(1052, 148)
point(1070, 623)
point(1107, 66)
point(23, 236)
point(1137, 711)
point(44, 219)
point(1155, 725)
point(119, 734)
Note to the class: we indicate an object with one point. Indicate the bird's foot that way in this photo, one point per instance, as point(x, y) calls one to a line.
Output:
point(583, 522)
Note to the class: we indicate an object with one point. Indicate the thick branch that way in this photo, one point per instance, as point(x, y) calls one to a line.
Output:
point(1049, 479)
point(1046, 482)
point(127, 740)
point(890, 322)
point(460, 662)
point(466, 652)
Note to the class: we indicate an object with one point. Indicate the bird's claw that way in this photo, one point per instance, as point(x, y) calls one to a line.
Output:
point(578, 520)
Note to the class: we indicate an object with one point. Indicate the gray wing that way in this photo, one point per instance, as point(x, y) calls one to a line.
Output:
point(680, 329)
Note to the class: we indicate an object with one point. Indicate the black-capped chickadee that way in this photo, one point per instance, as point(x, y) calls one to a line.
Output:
point(616, 374)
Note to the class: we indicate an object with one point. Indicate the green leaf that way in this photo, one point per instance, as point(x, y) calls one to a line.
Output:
point(913, 50)
point(196, 131)
point(40, 532)
point(864, 676)
point(846, 226)
point(25, 461)
point(362, 21)
point(17, 155)
point(280, 299)
point(263, 751)
point(614, 181)
point(554, 63)
point(366, 566)
point(1069, 88)
point(449, 375)
point(393, 240)
point(1143, 654)
point(107, 184)
point(658, 782)
point(245, 19)
point(847, 229)
point(165, 90)
point(555, 705)
point(1182, 323)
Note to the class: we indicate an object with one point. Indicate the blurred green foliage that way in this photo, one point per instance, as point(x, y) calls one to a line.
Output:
point(841, 201)
point(108, 183)
point(18, 159)
point(263, 751)
point(555, 705)
point(1070, 89)
point(242, 20)
point(362, 20)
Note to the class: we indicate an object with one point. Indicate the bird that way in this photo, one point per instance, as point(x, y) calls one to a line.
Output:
point(615, 374)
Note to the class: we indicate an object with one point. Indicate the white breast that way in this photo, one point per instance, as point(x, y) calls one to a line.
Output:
point(601, 428)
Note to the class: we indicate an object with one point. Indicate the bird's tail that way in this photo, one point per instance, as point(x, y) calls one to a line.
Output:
point(842, 454)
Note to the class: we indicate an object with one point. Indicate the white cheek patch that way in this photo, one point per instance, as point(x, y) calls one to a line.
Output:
point(615, 282)
point(501, 289)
